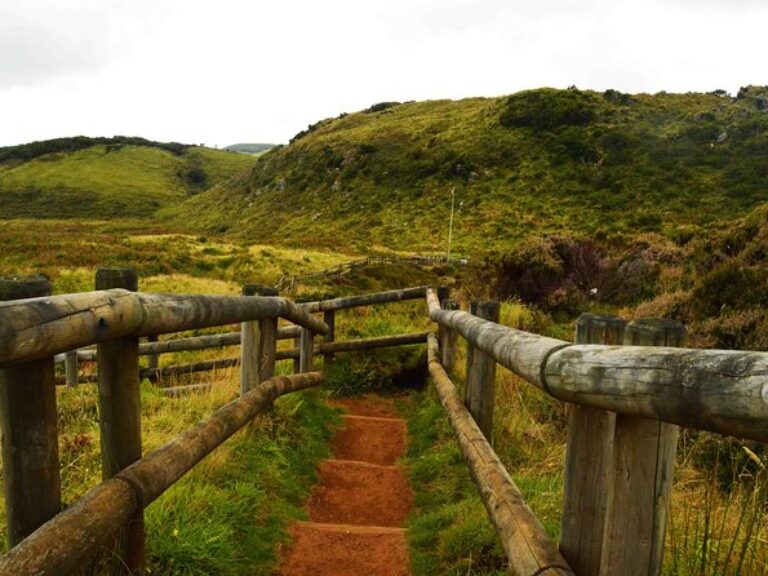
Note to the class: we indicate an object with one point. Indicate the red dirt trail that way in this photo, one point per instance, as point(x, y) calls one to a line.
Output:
point(359, 507)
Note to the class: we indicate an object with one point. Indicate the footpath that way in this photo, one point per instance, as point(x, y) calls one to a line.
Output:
point(359, 507)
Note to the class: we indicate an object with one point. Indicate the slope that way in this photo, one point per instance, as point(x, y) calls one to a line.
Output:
point(106, 177)
point(542, 161)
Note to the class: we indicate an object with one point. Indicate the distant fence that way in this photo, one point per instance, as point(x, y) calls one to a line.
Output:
point(629, 386)
point(289, 282)
point(35, 327)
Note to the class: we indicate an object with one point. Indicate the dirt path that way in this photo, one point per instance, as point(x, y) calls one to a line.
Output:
point(359, 507)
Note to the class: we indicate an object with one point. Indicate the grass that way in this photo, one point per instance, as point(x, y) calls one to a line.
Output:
point(230, 513)
point(70, 252)
point(602, 165)
point(111, 181)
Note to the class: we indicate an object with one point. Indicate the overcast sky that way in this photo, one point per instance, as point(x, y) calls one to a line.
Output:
point(225, 71)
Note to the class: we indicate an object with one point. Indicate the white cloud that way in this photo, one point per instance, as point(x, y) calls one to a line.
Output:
point(239, 70)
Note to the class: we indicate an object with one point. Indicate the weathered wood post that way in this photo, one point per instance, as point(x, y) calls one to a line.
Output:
point(588, 461)
point(306, 350)
point(258, 344)
point(153, 360)
point(329, 317)
point(30, 442)
point(481, 377)
point(71, 368)
point(644, 462)
point(297, 360)
point(448, 338)
point(120, 417)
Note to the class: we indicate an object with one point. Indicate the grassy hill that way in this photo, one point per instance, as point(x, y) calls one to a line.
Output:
point(106, 177)
point(604, 165)
point(252, 149)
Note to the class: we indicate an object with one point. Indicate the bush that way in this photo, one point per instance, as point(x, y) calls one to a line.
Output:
point(547, 109)
point(730, 285)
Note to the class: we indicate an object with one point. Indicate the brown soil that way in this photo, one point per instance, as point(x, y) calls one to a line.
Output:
point(367, 405)
point(374, 440)
point(361, 503)
point(347, 551)
point(360, 493)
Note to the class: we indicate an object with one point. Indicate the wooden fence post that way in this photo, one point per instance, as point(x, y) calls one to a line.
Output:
point(153, 360)
point(588, 461)
point(71, 368)
point(29, 437)
point(481, 377)
point(306, 350)
point(447, 338)
point(329, 317)
point(297, 360)
point(258, 344)
point(120, 417)
point(644, 460)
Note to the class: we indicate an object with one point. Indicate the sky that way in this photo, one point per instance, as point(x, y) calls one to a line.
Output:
point(228, 71)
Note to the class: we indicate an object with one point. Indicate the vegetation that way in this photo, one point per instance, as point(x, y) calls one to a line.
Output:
point(568, 201)
point(569, 162)
point(252, 149)
point(106, 177)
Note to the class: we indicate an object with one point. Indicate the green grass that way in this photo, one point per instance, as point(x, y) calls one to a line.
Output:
point(539, 162)
point(229, 514)
point(110, 180)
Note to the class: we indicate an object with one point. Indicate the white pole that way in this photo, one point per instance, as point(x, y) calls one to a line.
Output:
point(450, 224)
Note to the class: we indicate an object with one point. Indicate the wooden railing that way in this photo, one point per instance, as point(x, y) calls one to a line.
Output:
point(626, 402)
point(37, 327)
point(328, 348)
point(289, 282)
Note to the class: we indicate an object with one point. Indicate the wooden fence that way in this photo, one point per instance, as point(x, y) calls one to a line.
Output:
point(289, 282)
point(626, 402)
point(35, 327)
point(629, 387)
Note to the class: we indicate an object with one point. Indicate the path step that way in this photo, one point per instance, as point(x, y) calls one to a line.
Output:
point(343, 550)
point(360, 493)
point(366, 406)
point(370, 439)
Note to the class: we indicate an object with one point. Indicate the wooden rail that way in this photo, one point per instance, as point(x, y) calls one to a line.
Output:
point(721, 391)
point(65, 542)
point(288, 282)
point(41, 327)
point(626, 400)
point(290, 354)
point(526, 544)
point(34, 330)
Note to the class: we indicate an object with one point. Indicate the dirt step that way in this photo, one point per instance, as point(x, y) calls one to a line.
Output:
point(370, 439)
point(367, 406)
point(361, 494)
point(344, 550)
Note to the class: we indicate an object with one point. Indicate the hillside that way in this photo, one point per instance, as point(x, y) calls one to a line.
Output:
point(604, 165)
point(252, 149)
point(106, 177)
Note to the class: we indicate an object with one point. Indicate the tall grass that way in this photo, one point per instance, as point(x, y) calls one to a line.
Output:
point(229, 514)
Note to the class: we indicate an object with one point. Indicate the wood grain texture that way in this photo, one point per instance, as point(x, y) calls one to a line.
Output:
point(306, 351)
point(62, 544)
point(644, 463)
point(365, 299)
point(481, 377)
point(588, 476)
point(120, 420)
point(31, 480)
point(720, 391)
point(526, 544)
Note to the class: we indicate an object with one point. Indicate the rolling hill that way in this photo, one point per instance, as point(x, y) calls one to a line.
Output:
point(605, 165)
point(252, 149)
point(106, 177)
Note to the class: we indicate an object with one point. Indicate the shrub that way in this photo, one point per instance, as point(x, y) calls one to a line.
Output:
point(547, 109)
point(730, 285)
